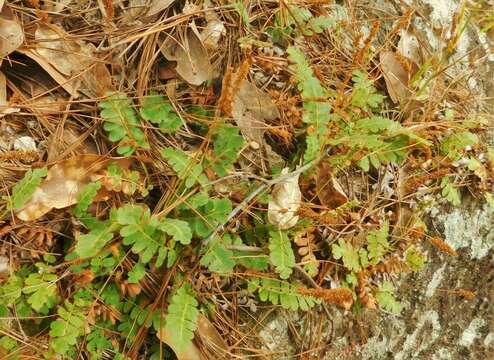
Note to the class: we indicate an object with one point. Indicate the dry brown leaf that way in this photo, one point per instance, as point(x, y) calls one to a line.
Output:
point(210, 336)
point(155, 6)
point(214, 30)
point(61, 185)
point(409, 47)
point(11, 33)
point(397, 73)
point(71, 63)
point(329, 191)
point(191, 56)
point(191, 353)
point(285, 201)
point(251, 107)
point(1, 4)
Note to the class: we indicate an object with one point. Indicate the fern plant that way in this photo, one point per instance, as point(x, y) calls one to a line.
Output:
point(156, 109)
point(281, 253)
point(181, 320)
point(281, 293)
point(122, 124)
point(25, 188)
point(316, 108)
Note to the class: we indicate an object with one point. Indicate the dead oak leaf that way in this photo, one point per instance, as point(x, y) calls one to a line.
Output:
point(187, 49)
point(11, 33)
point(329, 191)
point(61, 185)
point(397, 71)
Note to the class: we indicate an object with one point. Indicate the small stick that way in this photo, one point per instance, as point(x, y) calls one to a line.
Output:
point(252, 195)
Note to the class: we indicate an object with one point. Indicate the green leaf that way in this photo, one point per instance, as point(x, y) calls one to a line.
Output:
point(85, 198)
point(415, 259)
point(90, 244)
point(8, 343)
point(377, 243)
point(364, 94)
point(316, 108)
point(254, 261)
point(181, 320)
point(453, 145)
point(281, 293)
point(227, 143)
point(281, 253)
point(25, 188)
point(215, 212)
point(159, 111)
point(122, 124)
point(449, 192)
point(137, 273)
point(67, 328)
point(11, 290)
point(185, 167)
point(386, 299)
point(321, 23)
point(350, 255)
point(178, 229)
point(42, 289)
point(217, 257)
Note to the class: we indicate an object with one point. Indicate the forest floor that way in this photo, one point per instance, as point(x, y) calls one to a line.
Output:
point(270, 179)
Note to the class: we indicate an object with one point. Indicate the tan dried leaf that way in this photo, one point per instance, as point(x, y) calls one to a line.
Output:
point(397, 71)
point(71, 63)
point(214, 30)
point(191, 353)
point(11, 33)
point(329, 191)
point(409, 46)
point(61, 185)
point(286, 198)
point(192, 59)
point(210, 336)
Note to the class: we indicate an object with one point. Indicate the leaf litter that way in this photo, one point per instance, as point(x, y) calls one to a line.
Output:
point(173, 171)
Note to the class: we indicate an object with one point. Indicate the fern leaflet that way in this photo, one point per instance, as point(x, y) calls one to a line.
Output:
point(181, 319)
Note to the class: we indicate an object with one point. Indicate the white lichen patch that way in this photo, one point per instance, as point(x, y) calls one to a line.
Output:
point(470, 228)
point(275, 336)
point(442, 354)
point(413, 346)
point(471, 332)
point(442, 13)
point(437, 277)
point(489, 340)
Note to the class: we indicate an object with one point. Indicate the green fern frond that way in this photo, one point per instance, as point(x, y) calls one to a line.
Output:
point(25, 188)
point(122, 124)
point(316, 108)
point(377, 243)
point(85, 198)
point(217, 257)
point(185, 166)
point(281, 253)
point(181, 320)
point(156, 109)
point(281, 293)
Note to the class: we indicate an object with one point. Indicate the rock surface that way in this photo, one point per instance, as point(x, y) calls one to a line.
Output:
point(436, 323)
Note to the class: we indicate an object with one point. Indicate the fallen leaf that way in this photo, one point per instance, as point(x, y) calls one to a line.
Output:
point(191, 353)
point(191, 56)
point(214, 30)
point(11, 33)
point(251, 107)
point(210, 336)
point(285, 202)
point(1, 4)
point(155, 6)
point(397, 73)
point(329, 191)
point(62, 184)
point(409, 47)
point(71, 63)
